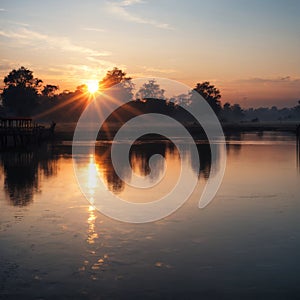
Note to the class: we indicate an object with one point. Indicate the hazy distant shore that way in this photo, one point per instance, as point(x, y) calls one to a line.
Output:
point(261, 126)
point(65, 131)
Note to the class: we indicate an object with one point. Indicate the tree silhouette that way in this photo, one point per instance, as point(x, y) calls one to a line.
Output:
point(120, 86)
point(237, 112)
point(22, 77)
point(211, 94)
point(20, 94)
point(82, 88)
point(227, 107)
point(113, 77)
point(150, 90)
point(50, 90)
point(226, 113)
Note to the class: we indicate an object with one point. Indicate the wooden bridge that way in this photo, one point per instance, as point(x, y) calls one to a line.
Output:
point(16, 132)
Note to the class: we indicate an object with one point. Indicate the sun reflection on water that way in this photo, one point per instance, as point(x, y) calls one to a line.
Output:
point(97, 261)
point(92, 234)
point(92, 176)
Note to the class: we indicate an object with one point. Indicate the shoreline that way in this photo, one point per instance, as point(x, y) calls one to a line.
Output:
point(65, 131)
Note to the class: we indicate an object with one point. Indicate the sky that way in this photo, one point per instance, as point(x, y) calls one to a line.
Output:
point(250, 50)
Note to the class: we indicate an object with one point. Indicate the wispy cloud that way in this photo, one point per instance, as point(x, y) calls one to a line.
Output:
point(94, 29)
point(282, 80)
point(252, 92)
point(19, 23)
point(73, 74)
point(62, 43)
point(145, 71)
point(160, 70)
point(5, 64)
point(131, 2)
point(121, 10)
point(84, 63)
point(2, 9)
point(11, 35)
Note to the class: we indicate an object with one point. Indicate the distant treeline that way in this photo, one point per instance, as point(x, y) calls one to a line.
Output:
point(235, 113)
point(25, 95)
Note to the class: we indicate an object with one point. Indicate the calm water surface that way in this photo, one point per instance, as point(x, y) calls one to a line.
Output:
point(245, 244)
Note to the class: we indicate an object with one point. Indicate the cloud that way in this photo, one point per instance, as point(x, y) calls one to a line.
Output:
point(64, 44)
point(131, 2)
point(6, 64)
point(159, 70)
point(70, 75)
point(120, 9)
point(19, 23)
point(2, 9)
point(281, 80)
point(94, 29)
point(102, 62)
point(11, 35)
point(261, 91)
point(84, 62)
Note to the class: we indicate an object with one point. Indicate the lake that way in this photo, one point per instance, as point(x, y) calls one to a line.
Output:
point(245, 244)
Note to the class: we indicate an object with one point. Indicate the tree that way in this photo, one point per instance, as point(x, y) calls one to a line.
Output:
point(237, 112)
point(120, 86)
point(211, 94)
point(113, 77)
point(227, 107)
point(150, 90)
point(22, 78)
point(181, 99)
point(83, 88)
point(20, 94)
point(50, 90)
point(296, 110)
point(226, 112)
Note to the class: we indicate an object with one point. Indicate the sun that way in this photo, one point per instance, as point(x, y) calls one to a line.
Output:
point(92, 86)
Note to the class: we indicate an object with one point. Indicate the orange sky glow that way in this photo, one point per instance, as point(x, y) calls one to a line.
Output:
point(249, 50)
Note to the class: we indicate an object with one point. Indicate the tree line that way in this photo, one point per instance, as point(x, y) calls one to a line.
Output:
point(25, 95)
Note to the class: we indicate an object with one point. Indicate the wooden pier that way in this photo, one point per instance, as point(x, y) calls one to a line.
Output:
point(16, 132)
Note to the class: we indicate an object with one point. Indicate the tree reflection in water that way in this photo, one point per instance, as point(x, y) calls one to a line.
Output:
point(140, 154)
point(23, 170)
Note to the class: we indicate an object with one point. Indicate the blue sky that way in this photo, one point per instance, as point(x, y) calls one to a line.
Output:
point(249, 49)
